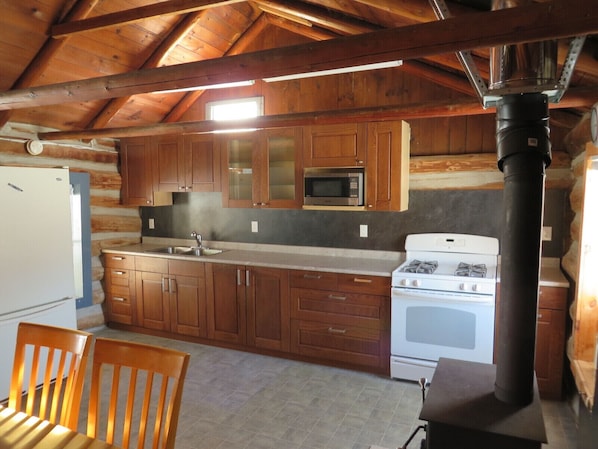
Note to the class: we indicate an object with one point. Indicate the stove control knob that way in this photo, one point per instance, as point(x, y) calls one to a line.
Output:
point(463, 286)
point(417, 283)
point(404, 282)
point(476, 288)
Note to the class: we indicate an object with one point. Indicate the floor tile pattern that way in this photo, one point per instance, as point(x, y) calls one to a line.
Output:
point(237, 400)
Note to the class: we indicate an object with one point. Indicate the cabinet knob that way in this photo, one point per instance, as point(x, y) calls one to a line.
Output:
point(148, 202)
point(332, 330)
point(118, 298)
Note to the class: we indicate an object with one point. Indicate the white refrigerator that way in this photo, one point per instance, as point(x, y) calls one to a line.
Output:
point(37, 281)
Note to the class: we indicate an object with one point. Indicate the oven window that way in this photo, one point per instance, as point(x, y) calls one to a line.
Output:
point(441, 326)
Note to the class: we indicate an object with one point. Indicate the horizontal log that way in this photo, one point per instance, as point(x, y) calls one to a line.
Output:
point(458, 107)
point(115, 223)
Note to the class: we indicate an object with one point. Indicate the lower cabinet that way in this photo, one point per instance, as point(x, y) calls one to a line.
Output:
point(119, 283)
point(317, 316)
point(248, 305)
point(172, 295)
point(341, 317)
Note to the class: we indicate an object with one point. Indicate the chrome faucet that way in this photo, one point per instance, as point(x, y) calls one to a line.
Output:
point(197, 237)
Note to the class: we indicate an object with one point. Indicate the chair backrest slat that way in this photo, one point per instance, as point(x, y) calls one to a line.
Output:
point(49, 364)
point(153, 377)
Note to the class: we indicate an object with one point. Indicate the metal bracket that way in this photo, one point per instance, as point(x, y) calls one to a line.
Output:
point(490, 98)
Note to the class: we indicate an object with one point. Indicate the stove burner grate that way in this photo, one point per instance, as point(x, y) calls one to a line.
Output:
point(417, 266)
point(471, 270)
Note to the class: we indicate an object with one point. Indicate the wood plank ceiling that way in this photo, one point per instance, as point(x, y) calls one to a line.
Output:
point(90, 66)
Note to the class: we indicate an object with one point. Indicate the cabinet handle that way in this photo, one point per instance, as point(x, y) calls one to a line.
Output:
point(332, 330)
point(340, 298)
point(118, 258)
point(182, 187)
point(312, 276)
point(148, 202)
point(539, 315)
point(188, 187)
point(163, 285)
point(118, 298)
point(362, 281)
point(247, 277)
point(238, 276)
point(120, 273)
point(171, 285)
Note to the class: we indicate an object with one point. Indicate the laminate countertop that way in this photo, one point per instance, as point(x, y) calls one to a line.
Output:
point(337, 260)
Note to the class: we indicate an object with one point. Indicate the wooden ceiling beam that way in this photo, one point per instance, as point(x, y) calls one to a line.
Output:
point(312, 15)
point(239, 46)
point(135, 15)
point(431, 109)
point(44, 56)
point(533, 22)
point(155, 60)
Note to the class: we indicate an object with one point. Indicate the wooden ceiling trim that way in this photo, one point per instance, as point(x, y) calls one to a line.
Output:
point(44, 56)
point(314, 15)
point(108, 112)
point(414, 10)
point(239, 46)
point(315, 33)
point(537, 21)
point(136, 15)
point(575, 97)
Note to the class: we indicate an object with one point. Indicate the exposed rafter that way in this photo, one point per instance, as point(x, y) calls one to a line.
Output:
point(523, 24)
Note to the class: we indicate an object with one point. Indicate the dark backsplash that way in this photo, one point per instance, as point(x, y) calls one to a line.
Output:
point(459, 211)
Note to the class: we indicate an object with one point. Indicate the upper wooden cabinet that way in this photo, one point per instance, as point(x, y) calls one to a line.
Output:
point(137, 179)
point(335, 145)
point(188, 163)
point(387, 168)
point(262, 169)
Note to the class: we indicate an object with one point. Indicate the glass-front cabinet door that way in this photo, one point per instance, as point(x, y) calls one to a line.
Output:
point(282, 187)
point(239, 157)
point(263, 169)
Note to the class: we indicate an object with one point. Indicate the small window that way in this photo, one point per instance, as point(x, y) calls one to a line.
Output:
point(236, 109)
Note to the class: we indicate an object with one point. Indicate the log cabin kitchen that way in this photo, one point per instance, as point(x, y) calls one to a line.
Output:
point(399, 190)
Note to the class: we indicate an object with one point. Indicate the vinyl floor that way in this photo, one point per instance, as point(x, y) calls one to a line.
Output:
point(237, 400)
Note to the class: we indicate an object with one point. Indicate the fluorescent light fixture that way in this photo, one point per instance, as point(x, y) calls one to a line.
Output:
point(356, 68)
point(208, 87)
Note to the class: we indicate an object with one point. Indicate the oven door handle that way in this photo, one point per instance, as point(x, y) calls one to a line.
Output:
point(399, 294)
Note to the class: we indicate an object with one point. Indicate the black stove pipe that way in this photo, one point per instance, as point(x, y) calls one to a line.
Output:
point(523, 146)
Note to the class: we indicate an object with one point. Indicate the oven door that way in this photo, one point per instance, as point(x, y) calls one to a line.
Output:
point(427, 325)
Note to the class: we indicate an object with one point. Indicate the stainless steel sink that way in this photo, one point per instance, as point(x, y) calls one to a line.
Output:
point(186, 250)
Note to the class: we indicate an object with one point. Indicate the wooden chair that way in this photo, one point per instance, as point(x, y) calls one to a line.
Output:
point(124, 369)
point(56, 357)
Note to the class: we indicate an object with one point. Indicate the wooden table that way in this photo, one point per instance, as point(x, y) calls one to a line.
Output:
point(21, 431)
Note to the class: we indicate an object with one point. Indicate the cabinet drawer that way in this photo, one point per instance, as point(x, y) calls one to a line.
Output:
point(349, 344)
point(376, 285)
point(341, 308)
point(151, 264)
point(553, 298)
point(120, 277)
point(119, 303)
point(119, 261)
point(314, 279)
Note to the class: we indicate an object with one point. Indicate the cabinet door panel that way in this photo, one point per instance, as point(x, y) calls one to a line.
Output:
point(202, 160)
point(167, 163)
point(136, 170)
point(335, 145)
point(152, 307)
point(268, 309)
point(226, 305)
point(188, 306)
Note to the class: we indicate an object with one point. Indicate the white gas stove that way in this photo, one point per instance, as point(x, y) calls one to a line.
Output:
point(443, 302)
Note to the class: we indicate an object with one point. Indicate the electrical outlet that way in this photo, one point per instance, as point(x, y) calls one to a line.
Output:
point(151, 223)
point(254, 226)
point(363, 230)
point(547, 233)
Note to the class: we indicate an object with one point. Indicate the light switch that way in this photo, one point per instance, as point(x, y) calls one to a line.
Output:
point(547, 233)
point(254, 226)
point(151, 223)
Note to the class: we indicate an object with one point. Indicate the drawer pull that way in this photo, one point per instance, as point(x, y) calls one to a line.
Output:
point(540, 315)
point(362, 281)
point(340, 298)
point(312, 276)
point(120, 273)
point(332, 330)
point(118, 258)
point(118, 298)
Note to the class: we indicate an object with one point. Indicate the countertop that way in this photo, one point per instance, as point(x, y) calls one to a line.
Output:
point(338, 260)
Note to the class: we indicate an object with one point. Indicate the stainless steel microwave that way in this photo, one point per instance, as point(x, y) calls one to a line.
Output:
point(333, 187)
